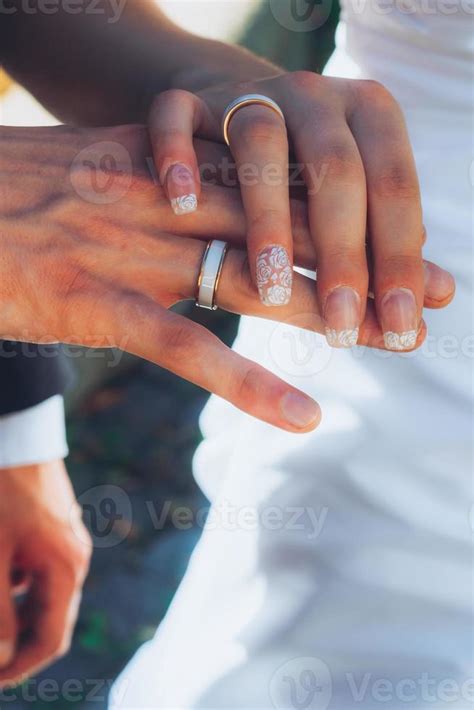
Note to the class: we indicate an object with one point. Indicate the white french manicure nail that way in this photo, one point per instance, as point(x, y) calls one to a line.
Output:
point(181, 188)
point(400, 321)
point(342, 316)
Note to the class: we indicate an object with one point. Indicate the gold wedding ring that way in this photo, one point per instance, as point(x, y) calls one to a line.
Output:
point(210, 273)
point(247, 100)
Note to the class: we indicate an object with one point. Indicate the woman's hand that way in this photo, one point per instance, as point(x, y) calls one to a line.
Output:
point(37, 507)
point(350, 141)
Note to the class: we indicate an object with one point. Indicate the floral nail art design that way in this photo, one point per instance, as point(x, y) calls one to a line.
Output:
point(184, 204)
point(342, 338)
point(400, 341)
point(274, 276)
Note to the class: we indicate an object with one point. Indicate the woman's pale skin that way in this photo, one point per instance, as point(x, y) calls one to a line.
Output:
point(76, 267)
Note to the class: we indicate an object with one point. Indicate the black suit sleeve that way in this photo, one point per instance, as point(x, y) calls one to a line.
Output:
point(30, 374)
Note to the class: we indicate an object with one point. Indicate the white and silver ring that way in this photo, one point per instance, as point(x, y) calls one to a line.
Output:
point(247, 100)
point(209, 275)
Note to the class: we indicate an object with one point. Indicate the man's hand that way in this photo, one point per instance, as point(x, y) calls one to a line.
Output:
point(39, 545)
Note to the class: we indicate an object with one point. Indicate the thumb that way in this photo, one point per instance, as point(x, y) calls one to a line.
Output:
point(8, 620)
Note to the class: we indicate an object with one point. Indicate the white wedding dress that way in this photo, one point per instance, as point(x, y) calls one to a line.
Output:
point(354, 587)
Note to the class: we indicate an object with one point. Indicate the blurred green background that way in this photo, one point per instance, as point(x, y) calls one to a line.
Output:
point(133, 429)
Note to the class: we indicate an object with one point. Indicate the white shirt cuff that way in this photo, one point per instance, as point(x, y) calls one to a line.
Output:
point(35, 435)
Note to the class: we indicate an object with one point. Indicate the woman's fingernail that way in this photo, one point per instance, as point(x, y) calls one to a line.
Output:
point(299, 410)
point(439, 284)
point(6, 652)
point(181, 188)
point(274, 276)
point(342, 316)
point(399, 317)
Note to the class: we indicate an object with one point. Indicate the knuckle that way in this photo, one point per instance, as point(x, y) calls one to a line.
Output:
point(319, 119)
point(397, 265)
point(397, 181)
point(255, 125)
point(340, 162)
point(374, 93)
point(342, 264)
point(342, 253)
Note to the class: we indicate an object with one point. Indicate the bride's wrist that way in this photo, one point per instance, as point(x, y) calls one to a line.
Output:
point(221, 63)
